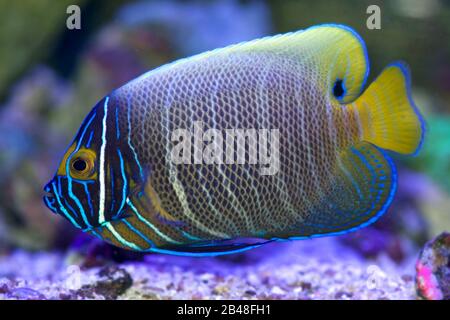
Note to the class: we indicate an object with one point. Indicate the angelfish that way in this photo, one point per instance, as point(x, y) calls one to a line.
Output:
point(118, 181)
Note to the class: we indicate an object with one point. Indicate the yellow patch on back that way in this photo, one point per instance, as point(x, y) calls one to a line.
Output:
point(336, 51)
point(333, 51)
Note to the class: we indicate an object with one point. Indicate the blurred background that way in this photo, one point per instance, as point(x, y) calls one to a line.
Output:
point(50, 77)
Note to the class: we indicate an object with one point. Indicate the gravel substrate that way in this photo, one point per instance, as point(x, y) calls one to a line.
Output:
point(314, 269)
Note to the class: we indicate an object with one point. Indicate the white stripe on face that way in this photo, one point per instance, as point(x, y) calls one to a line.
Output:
point(101, 211)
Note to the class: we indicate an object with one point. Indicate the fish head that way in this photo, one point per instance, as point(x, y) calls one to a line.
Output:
point(90, 186)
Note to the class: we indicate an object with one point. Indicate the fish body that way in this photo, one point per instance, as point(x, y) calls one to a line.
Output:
point(298, 99)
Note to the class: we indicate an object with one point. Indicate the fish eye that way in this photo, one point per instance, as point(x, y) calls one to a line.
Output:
point(79, 165)
point(82, 164)
point(338, 89)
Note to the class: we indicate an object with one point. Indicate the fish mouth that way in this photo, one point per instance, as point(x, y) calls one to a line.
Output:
point(48, 194)
point(49, 198)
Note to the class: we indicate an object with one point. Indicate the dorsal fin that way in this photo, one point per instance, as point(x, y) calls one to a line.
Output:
point(336, 52)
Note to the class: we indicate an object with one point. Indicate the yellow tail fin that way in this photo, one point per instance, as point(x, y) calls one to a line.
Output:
point(387, 115)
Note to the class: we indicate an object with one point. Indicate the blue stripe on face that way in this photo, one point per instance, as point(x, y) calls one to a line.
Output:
point(75, 214)
point(50, 204)
point(74, 197)
point(88, 144)
point(64, 211)
point(69, 178)
point(84, 131)
point(89, 200)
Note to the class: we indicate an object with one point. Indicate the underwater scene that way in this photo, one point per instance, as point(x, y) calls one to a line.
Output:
point(224, 150)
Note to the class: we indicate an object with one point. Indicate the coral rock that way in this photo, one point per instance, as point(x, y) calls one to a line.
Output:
point(433, 269)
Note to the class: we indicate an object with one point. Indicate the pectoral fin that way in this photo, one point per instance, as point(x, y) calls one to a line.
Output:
point(147, 201)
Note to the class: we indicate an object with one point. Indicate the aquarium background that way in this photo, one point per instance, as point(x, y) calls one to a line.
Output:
point(50, 77)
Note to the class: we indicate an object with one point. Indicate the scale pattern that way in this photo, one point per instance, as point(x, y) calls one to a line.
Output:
point(250, 90)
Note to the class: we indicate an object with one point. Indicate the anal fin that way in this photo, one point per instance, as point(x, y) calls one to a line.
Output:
point(214, 248)
point(361, 191)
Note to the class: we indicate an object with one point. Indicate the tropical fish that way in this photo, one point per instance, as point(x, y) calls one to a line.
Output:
point(118, 181)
